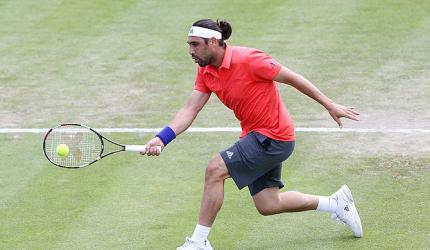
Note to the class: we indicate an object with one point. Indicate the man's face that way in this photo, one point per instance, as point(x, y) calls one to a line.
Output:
point(199, 51)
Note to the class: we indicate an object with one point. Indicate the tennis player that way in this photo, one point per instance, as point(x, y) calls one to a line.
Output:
point(244, 80)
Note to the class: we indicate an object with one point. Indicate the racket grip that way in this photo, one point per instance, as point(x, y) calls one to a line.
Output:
point(135, 148)
point(138, 148)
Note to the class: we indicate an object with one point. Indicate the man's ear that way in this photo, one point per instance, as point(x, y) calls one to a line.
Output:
point(213, 40)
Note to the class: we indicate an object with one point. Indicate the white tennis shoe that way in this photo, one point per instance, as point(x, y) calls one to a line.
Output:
point(346, 212)
point(192, 245)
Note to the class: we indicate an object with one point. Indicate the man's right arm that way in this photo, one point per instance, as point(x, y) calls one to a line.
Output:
point(183, 119)
point(186, 115)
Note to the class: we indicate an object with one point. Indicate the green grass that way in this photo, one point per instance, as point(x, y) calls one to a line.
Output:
point(135, 202)
point(125, 64)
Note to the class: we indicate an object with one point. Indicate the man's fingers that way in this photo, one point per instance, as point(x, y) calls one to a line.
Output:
point(352, 116)
point(352, 109)
point(354, 112)
point(153, 150)
point(342, 111)
point(337, 120)
point(158, 149)
point(153, 147)
point(339, 123)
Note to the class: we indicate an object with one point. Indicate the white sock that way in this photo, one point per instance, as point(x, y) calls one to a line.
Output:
point(200, 233)
point(327, 204)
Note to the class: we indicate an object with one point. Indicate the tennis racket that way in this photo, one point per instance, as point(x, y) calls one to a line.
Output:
point(76, 146)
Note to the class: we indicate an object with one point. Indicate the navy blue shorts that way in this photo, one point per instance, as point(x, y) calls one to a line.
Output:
point(256, 161)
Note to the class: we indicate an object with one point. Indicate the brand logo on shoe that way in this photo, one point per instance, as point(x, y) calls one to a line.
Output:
point(346, 208)
point(229, 154)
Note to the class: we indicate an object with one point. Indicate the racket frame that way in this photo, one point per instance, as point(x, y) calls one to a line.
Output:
point(101, 137)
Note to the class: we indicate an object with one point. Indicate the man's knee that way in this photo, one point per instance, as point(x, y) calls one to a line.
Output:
point(265, 209)
point(216, 169)
point(267, 201)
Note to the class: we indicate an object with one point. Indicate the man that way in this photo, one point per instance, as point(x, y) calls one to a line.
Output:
point(244, 80)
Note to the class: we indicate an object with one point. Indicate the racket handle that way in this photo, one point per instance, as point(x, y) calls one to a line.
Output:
point(139, 148)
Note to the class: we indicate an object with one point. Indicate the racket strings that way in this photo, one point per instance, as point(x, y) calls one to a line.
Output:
point(84, 146)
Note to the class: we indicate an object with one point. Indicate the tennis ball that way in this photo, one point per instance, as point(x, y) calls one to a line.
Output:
point(63, 150)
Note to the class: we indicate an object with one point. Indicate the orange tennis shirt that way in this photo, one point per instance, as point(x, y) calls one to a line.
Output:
point(244, 83)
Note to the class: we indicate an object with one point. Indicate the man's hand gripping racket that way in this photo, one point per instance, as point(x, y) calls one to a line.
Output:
point(77, 146)
point(154, 147)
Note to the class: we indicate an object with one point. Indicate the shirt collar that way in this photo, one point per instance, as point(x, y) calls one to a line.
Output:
point(227, 57)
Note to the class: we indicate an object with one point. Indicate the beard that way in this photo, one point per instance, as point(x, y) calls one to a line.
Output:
point(200, 61)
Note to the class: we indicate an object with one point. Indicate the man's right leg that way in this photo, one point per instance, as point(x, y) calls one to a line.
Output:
point(213, 197)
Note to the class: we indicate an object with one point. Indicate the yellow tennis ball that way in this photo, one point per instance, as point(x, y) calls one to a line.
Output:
point(63, 150)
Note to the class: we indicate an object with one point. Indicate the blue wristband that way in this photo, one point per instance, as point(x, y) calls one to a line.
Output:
point(166, 135)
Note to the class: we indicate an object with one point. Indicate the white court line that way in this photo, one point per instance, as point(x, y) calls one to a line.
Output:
point(225, 129)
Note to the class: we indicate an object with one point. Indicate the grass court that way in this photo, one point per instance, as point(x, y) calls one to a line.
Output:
point(114, 64)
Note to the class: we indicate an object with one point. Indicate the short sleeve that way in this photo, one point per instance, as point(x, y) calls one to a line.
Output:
point(263, 66)
point(200, 83)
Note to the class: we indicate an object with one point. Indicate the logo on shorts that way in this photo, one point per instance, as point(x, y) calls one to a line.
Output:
point(229, 154)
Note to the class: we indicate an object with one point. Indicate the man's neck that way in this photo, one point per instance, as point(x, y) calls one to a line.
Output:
point(219, 57)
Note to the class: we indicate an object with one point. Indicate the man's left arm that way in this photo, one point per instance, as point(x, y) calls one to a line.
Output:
point(297, 81)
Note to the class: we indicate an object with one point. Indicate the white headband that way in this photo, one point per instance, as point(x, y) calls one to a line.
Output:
point(203, 32)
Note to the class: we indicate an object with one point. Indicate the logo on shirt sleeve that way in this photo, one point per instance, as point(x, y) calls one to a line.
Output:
point(272, 64)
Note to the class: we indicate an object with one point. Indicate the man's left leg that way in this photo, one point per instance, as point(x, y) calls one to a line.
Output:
point(340, 204)
point(271, 201)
